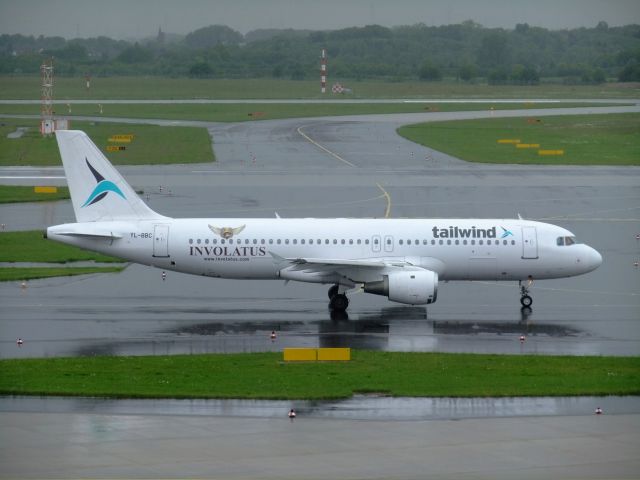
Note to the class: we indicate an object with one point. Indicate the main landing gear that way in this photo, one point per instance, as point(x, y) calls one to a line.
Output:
point(525, 298)
point(337, 301)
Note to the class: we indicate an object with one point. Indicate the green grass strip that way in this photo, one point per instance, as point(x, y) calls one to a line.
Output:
point(15, 273)
point(17, 194)
point(31, 246)
point(265, 376)
point(151, 144)
point(585, 139)
point(240, 112)
point(150, 87)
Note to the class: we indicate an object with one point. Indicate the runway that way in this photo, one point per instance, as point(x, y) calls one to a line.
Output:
point(268, 167)
point(277, 166)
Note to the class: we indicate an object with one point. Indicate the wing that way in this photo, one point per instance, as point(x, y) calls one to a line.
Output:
point(345, 271)
point(237, 230)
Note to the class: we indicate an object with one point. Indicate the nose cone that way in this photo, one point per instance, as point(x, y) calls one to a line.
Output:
point(593, 259)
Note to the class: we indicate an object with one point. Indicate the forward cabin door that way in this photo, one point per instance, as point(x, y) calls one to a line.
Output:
point(529, 242)
point(161, 241)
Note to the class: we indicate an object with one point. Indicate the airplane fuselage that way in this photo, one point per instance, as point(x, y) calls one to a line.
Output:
point(456, 249)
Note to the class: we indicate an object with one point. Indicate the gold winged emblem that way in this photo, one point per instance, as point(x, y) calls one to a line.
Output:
point(226, 232)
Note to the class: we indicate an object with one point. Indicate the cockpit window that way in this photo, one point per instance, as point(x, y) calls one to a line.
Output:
point(565, 241)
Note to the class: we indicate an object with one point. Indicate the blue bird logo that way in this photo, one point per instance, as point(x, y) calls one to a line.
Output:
point(102, 188)
point(506, 233)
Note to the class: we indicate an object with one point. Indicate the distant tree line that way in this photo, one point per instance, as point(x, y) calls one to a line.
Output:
point(466, 52)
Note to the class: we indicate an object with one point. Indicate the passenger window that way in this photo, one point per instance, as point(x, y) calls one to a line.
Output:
point(271, 241)
point(457, 242)
point(295, 241)
point(441, 242)
point(359, 241)
point(400, 242)
point(286, 241)
point(433, 242)
point(335, 241)
point(513, 242)
point(350, 242)
point(262, 241)
point(190, 240)
point(302, 241)
point(214, 241)
point(448, 242)
point(198, 241)
point(464, 242)
point(342, 241)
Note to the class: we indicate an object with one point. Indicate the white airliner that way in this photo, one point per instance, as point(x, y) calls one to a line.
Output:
point(402, 259)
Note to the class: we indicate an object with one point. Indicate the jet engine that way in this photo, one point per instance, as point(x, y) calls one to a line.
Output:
point(415, 287)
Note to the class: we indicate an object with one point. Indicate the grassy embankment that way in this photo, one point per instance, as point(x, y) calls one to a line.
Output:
point(265, 376)
point(151, 145)
point(31, 247)
point(139, 88)
point(586, 139)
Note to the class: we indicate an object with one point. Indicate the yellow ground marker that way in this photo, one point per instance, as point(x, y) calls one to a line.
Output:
point(550, 152)
point(508, 140)
point(317, 354)
point(45, 189)
point(528, 145)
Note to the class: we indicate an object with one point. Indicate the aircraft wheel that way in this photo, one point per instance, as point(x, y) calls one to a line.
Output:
point(333, 291)
point(526, 301)
point(339, 302)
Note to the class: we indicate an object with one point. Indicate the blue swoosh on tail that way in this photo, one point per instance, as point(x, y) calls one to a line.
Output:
point(103, 187)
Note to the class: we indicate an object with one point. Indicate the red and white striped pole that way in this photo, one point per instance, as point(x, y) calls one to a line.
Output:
point(323, 71)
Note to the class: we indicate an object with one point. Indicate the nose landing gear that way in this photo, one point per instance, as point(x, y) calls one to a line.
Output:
point(525, 298)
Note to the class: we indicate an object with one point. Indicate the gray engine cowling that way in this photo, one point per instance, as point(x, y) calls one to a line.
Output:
point(414, 287)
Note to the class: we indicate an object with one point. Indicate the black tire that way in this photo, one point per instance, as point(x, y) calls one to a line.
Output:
point(333, 291)
point(339, 302)
point(526, 301)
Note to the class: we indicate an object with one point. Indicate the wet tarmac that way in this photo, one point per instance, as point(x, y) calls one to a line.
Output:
point(270, 166)
point(267, 167)
point(360, 407)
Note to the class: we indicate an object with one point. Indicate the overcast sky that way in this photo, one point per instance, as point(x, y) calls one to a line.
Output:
point(141, 18)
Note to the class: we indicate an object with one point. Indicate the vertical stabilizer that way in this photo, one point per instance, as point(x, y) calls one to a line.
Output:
point(98, 191)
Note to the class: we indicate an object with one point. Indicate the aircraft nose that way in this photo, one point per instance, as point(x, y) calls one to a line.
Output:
point(593, 258)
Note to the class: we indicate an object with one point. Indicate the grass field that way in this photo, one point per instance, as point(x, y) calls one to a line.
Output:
point(265, 376)
point(240, 112)
point(585, 139)
point(18, 194)
point(28, 87)
point(31, 246)
point(31, 273)
point(151, 145)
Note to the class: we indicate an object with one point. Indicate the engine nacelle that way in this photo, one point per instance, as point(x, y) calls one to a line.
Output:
point(415, 287)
